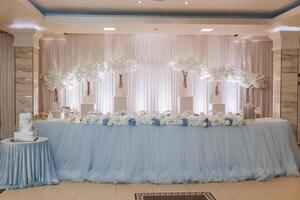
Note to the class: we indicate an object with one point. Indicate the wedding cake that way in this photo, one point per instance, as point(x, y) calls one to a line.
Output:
point(25, 132)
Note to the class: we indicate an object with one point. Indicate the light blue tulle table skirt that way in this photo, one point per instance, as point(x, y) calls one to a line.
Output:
point(172, 154)
point(25, 164)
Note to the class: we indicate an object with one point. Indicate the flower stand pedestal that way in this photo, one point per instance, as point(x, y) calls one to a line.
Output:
point(248, 111)
point(120, 103)
point(85, 108)
point(185, 103)
point(216, 107)
point(55, 110)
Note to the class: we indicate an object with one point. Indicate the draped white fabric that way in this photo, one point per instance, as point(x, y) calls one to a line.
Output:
point(155, 87)
point(7, 82)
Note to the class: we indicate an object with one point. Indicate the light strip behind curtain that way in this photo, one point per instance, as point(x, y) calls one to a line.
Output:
point(155, 87)
point(7, 82)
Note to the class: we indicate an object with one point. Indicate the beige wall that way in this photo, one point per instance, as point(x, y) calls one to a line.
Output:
point(26, 70)
point(7, 93)
point(24, 79)
point(286, 72)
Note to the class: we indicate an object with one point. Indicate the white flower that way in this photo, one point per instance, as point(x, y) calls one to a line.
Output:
point(248, 79)
point(121, 66)
point(144, 119)
point(52, 80)
point(167, 118)
point(90, 72)
point(110, 123)
point(217, 74)
point(226, 122)
point(187, 65)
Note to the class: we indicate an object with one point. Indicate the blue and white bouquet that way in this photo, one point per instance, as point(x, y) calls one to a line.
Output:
point(164, 119)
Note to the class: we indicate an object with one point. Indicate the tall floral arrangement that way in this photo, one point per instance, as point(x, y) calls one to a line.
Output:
point(217, 75)
point(53, 81)
point(121, 67)
point(90, 73)
point(248, 80)
point(185, 66)
point(221, 74)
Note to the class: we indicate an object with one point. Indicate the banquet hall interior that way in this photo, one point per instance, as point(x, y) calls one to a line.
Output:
point(149, 99)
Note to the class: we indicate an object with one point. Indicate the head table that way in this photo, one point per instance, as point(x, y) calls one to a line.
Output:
point(259, 150)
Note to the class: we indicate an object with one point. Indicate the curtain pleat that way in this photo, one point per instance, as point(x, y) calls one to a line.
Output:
point(155, 86)
point(7, 81)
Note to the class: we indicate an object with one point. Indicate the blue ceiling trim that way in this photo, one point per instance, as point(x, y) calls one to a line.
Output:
point(253, 15)
point(37, 6)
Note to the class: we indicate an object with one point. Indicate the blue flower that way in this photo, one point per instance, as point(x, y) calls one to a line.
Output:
point(132, 122)
point(155, 121)
point(208, 123)
point(185, 121)
point(105, 121)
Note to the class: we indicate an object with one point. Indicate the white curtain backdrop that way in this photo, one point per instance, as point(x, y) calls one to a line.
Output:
point(155, 87)
point(7, 83)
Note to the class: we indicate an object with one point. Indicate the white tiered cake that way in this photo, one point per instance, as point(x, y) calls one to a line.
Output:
point(25, 132)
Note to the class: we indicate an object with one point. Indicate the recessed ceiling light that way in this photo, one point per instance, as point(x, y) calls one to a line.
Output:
point(206, 29)
point(285, 28)
point(139, 2)
point(186, 3)
point(109, 28)
point(25, 26)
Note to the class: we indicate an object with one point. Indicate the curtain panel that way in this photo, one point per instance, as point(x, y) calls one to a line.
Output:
point(155, 86)
point(7, 81)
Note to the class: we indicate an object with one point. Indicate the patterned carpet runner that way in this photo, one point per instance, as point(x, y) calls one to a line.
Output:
point(175, 196)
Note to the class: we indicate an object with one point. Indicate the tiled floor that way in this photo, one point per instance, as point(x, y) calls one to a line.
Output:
point(284, 188)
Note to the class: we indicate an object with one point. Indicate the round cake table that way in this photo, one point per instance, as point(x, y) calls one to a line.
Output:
point(25, 164)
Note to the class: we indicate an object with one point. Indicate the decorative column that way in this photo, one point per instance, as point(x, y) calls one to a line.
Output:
point(26, 44)
point(286, 78)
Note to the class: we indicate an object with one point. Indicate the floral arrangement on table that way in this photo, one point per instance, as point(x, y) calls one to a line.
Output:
point(162, 119)
point(186, 65)
point(121, 67)
point(72, 114)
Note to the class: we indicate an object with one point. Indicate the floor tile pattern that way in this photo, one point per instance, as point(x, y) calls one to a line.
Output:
point(283, 188)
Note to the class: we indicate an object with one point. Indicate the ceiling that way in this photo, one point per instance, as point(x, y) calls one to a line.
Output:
point(244, 17)
point(247, 8)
